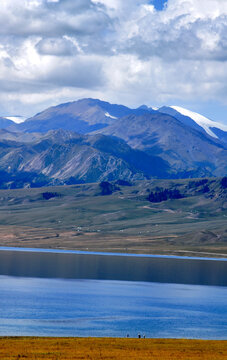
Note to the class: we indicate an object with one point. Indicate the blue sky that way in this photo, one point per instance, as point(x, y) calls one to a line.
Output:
point(131, 52)
point(159, 4)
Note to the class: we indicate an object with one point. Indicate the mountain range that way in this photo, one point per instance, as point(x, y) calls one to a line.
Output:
point(91, 140)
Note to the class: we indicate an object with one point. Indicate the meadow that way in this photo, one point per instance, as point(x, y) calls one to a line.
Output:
point(80, 217)
point(110, 348)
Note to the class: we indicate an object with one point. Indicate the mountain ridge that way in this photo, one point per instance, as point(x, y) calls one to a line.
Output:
point(181, 146)
point(91, 140)
point(199, 122)
point(83, 116)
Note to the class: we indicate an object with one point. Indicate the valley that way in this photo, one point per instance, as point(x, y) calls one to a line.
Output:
point(90, 175)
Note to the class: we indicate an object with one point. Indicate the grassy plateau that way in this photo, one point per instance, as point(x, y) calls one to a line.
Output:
point(80, 217)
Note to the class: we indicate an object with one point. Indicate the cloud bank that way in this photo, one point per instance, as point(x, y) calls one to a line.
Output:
point(122, 51)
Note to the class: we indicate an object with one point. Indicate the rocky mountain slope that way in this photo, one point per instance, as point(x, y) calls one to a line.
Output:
point(188, 152)
point(92, 140)
point(64, 157)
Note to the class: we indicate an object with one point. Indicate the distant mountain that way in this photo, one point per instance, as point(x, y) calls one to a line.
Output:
point(91, 140)
point(82, 116)
point(188, 152)
point(64, 157)
point(18, 136)
point(197, 121)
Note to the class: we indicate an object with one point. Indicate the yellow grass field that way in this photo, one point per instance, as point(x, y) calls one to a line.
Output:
point(110, 348)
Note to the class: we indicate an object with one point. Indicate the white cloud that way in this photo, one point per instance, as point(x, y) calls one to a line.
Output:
point(125, 51)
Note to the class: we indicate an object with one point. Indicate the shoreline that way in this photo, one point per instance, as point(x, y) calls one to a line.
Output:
point(104, 253)
point(123, 338)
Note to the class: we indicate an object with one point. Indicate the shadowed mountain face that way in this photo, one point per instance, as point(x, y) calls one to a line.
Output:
point(64, 157)
point(188, 152)
point(123, 143)
point(5, 123)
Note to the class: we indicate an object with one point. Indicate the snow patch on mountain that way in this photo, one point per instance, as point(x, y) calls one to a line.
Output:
point(201, 120)
point(110, 116)
point(16, 119)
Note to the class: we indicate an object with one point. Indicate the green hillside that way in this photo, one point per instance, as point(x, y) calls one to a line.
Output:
point(124, 220)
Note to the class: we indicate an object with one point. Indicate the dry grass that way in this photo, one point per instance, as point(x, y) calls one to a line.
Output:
point(109, 348)
point(47, 238)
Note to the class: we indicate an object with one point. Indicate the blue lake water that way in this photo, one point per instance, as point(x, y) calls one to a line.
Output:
point(56, 294)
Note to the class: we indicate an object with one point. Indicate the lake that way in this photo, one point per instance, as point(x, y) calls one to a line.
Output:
point(63, 293)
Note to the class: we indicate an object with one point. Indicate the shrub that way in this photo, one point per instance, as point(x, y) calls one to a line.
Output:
point(205, 189)
point(107, 188)
point(195, 184)
point(224, 182)
point(48, 195)
point(123, 182)
point(164, 195)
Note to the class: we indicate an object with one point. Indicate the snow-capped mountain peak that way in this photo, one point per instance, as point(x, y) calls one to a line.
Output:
point(202, 121)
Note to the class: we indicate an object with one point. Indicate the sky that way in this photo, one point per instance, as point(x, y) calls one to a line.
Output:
point(131, 52)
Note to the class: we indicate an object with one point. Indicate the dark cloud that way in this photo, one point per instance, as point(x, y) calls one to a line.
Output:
point(56, 47)
point(78, 6)
point(79, 73)
point(81, 18)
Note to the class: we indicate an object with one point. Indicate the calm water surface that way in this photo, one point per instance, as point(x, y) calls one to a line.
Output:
point(66, 294)
point(79, 265)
